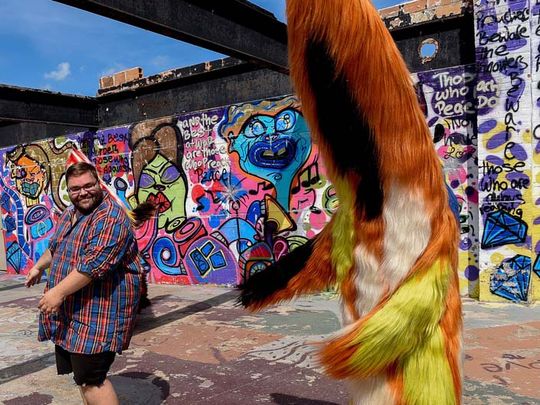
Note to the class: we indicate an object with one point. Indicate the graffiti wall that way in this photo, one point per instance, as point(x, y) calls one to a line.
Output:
point(535, 149)
point(506, 35)
point(236, 188)
point(448, 100)
point(240, 186)
point(33, 195)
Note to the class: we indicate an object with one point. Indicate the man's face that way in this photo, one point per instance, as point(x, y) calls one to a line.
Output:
point(84, 192)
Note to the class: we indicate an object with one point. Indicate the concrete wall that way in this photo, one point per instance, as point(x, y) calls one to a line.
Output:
point(485, 122)
point(241, 185)
point(506, 35)
point(237, 188)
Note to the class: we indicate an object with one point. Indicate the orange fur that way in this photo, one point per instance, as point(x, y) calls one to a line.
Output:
point(372, 236)
point(378, 82)
point(349, 294)
point(451, 327)
point(337, 351)
point(395, 380)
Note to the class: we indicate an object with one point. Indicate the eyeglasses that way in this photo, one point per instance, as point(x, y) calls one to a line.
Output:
point(77, 189)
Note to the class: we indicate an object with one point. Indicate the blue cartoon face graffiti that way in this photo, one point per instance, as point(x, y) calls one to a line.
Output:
point(273, 147)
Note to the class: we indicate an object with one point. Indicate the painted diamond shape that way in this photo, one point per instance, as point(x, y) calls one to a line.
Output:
point(14, 256)
point(536, 267)
point(501, 228)
point(512, 278)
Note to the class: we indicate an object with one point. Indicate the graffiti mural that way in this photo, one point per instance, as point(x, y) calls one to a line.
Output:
point(157, 153)
point(512, 278)
point(238, 187)
point(32, 197)
point(535, 143)
point(448, 99)
point(503, 31)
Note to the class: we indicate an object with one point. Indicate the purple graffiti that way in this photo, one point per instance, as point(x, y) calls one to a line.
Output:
point(497, 140)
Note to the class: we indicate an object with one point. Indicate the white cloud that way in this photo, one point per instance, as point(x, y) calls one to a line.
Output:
point(161, 61)
point(60, 73)
point(117, 67)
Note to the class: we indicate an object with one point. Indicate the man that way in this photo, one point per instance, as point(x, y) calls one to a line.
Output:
point(93, 287)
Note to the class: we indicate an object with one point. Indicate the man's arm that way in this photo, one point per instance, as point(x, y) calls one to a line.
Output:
point(105, 248)
point(53, 298)
point(35, 273)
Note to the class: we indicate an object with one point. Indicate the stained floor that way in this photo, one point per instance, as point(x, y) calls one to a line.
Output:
point(194, 346)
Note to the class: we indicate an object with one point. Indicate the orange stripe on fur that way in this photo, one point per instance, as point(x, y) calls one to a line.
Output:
point(372, 236)
point(349, 295)
point(443, 241)
point(336, 354)
point(451, 327)
point(395, 381)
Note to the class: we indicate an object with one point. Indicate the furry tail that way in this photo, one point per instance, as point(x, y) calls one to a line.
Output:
point(142, 212)
point(404, 331)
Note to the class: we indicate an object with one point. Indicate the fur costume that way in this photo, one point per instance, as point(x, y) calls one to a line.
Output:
point(391, 248)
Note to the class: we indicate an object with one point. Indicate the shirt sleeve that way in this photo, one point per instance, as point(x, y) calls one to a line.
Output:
point(108, 241)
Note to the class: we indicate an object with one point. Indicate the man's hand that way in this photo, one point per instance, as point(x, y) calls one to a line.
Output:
point(51, 301)
point(33, 277)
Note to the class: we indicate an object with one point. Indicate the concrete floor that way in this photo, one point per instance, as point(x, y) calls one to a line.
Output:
point(194, 346)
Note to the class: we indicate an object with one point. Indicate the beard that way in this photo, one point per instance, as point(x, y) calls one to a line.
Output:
point(89, 203)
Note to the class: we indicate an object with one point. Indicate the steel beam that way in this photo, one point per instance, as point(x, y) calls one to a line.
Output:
point(234, 27)
point(19, 104)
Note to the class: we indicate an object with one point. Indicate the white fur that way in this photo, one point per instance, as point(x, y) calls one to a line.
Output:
point(370, 284)
point(370, 287)
point(406, 235)
point(370, 391)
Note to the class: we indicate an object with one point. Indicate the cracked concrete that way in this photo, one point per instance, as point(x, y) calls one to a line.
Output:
point(194, 346)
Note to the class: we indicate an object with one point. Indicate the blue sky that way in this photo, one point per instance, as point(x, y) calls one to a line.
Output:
point(48, 45)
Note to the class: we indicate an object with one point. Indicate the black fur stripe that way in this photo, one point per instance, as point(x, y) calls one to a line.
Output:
point(275, 277)
point(343, 127)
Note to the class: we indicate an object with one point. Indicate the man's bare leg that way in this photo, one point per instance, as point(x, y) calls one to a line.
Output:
point(85, 402)
point(103, 394)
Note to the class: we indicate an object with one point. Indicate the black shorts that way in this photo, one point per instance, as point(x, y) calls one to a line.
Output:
point(88, 369)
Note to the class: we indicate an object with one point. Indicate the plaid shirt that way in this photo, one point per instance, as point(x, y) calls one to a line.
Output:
point(99, 317)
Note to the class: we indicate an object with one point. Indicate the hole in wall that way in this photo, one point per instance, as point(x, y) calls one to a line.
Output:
point(428, 50)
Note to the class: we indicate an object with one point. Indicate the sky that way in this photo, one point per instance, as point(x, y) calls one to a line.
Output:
point(51, 46)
